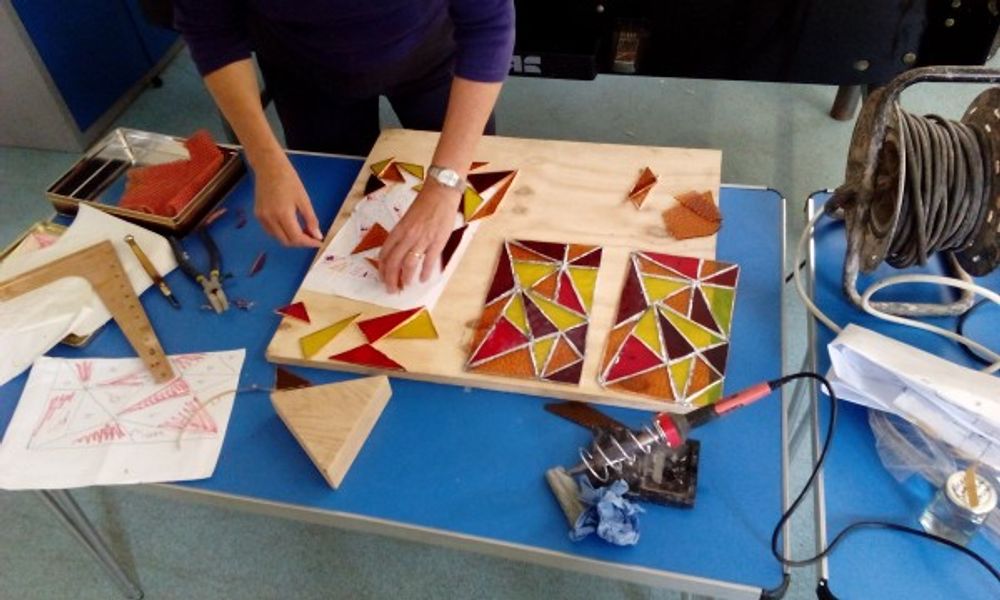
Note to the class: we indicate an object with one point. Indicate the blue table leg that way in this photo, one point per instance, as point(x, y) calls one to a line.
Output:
point(69, 512)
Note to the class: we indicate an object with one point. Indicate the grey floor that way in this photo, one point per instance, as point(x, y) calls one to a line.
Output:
point(773, 135)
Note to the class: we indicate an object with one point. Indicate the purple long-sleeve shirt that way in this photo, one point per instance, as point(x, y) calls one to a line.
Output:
point(351, 35)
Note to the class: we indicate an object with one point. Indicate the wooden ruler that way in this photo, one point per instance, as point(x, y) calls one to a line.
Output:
point(99, 265)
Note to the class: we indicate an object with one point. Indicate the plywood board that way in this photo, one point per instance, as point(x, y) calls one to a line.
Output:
point(332, 422)
point(564, 192)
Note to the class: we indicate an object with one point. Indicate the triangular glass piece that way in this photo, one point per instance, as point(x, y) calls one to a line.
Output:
point(503, 278)
point(476, 164)
point(539, 323)
point(413, 169)
point(562, 317)
point(484, 181)
point(720, 301)
point(697, 335)
point(726, 278)
point(676, 344)
point(547, 286)
point(578, 337)
point(585, 281)
point(368, 356)
point(452, 244)
point(654, 383)
point(420, 327)
point(378, 327)
point(700, 313)
point(529, 273)
point(312, 343)
point(590, 259)
point(567, 294)
point(657, 289)
point(516, 363)
point(682, 265)
point(633, 358)
point(373, 184)
point(646, 181)
point(647, 331)
point(540, 350)
point(717, 357)
point(570, 374)
point(614, 343)
point(380, 166)
point(471, 200)
point(562, 356)
point(519, 252)
point(286, 380)
point(502, 338)
point(633, 300)
point(639, 197)
point(493, 203)
point(391, 173)
point(681, 301)
point(515, 313)
point(373, 238)
point(551, 249)
point(296, 310)
point(680, 372)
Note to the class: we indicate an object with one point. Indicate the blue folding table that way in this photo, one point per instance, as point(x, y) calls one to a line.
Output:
point(465, 467)
point(887, 564)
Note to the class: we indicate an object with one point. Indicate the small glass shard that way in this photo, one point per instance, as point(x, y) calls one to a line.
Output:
point(258, 264)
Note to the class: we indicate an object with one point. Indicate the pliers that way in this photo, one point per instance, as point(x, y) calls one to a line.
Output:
point(211, 283)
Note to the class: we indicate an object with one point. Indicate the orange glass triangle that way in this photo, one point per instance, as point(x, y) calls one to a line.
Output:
point(654, 383)
point(373, 238)
point(494, 202)
point(562, 356)
point(517, 363)
point(547, 286)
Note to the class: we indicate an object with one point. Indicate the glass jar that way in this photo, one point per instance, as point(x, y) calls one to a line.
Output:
point(951, 514)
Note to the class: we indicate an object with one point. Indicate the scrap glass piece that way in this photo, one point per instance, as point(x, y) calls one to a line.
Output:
point(477, 164)
point(451, 245)
point(540, 351)
point(378, 327)
point(373, 262)
point(391, 173)
point(258, 264)
point(512, 364)
point(529, 273)
point(312, 343)
point(683, 224)
point(562, 317)
point(701, 204)
point(515, 313)
point(368, 356)
point(639, 198)
point(647, 331)
point(373, 238)
point(420, 327)
point(646, 181)
point(296, 310)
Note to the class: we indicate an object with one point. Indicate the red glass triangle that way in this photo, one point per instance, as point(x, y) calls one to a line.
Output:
point(578, 337)
point(484, 181)
point(449, 247)
point(538, 323)
point(504, 337)
point(684, 265)
point(286, 380)
point(373, 238)
point(570, 374)
point(634, 357)
point(551, 249)
point(700, 312)
point(391, 173)
point(632, 301)
point(368, 356)
point(726, 278)
point(591, 259)
point(677, 345)
point(379, 327)
point(477, 164)
point(567, 295)
point(296, 310)
point(503, 278)
point(717, 357)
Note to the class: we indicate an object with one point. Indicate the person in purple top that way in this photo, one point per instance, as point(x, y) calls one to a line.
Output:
point(325, 63)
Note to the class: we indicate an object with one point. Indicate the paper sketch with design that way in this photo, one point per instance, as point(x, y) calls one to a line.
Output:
point(348, 265)
point(105, 421)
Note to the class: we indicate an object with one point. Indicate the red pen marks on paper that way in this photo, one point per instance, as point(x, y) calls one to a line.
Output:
point(110, 432)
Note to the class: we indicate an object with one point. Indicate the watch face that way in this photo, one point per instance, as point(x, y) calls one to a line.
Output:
point(448, 177)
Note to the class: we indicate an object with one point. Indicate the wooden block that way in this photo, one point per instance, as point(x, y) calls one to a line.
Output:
point(556, 179)
point(332, 421)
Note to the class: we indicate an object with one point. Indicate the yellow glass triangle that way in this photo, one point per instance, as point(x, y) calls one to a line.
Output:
point(541, 351)
point(647, 331)
point(720, 302)
point(471, 203)
point(415, 170)
point(657, 289)
point(563, 318)
point(696, 334)
point(679, 373)
point(530, 273)
point(515, 313)
point(418, 187)
point(584, 280)
point(380, 166)
point(312, 343)
point(418, 327)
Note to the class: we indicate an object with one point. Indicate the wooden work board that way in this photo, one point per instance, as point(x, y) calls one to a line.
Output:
point(567, 192)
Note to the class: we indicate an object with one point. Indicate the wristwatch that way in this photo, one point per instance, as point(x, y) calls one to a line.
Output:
point(449, 178)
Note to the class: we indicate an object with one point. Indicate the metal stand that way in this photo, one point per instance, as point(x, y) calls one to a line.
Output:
point(845, 105)
point(83, 530)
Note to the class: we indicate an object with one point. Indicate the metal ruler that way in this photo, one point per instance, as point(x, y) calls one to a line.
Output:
point(99, 265)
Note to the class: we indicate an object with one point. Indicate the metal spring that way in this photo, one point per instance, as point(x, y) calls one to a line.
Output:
point(625, 456)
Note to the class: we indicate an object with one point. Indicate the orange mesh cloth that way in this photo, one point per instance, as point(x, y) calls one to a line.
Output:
point(167, 188)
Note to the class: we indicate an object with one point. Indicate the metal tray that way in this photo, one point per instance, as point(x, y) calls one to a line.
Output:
point(98, 179)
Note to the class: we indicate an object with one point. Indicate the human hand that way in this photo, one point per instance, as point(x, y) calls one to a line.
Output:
point(280, 201)
point(419, 237)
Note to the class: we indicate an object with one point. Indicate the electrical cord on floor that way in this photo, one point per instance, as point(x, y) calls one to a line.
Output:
point(960, 330)
point(823, 589)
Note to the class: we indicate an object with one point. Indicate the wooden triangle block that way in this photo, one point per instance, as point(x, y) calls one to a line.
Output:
point(331, 422)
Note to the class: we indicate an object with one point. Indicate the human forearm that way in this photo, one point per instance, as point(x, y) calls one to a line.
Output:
point(234, 88)
point(469, 107)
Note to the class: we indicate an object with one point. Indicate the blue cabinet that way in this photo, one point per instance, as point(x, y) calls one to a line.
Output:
point(95, 53)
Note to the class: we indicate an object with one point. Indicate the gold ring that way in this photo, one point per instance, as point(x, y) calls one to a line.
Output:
point(417, 255)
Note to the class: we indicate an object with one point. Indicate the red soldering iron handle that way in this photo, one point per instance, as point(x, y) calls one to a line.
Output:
point(743, 398)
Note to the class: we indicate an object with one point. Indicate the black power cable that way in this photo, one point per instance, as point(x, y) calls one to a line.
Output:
point(946, 191)
point(823, 589)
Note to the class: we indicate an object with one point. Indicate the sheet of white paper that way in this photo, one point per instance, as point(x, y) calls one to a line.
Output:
point(338, 272)
point(958, 405)
point(74, 304)
point(105, 421)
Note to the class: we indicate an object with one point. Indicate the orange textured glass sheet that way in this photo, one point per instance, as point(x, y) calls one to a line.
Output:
point(534, 302)
point(373, 238)
point(669, 315)
point(646, 181)
point(682, 224)
point(517, 363)
point(701, 204)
